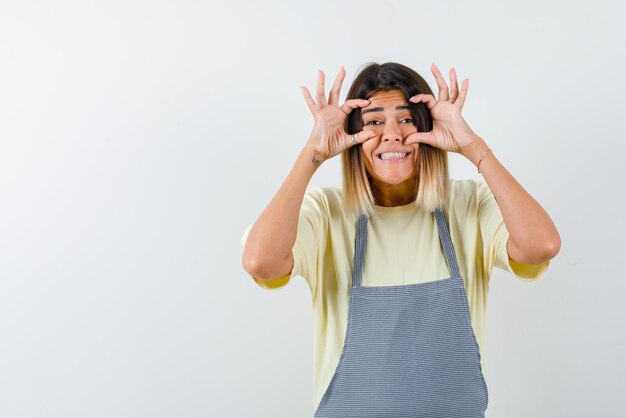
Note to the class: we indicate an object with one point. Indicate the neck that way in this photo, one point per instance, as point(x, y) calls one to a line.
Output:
point(395, 194)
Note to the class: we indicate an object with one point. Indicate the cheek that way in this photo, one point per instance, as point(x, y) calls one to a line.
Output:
point(368, 147)
point(416, 154)
point(366, 154)
point(368, 160)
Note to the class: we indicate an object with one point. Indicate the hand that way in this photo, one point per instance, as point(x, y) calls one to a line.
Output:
point(450, 131)
point(328, 137)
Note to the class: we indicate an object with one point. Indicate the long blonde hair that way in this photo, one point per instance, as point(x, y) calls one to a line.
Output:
point(432, 174)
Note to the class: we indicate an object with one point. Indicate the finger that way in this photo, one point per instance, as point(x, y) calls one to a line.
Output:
point(441, 83)
point(352, 104)
point(454, 86)
point(360, 137)
point(420, 138)
point(309, 100)
point(428, 99)
point(321, 95)
point(333, 97)
point(463, 94)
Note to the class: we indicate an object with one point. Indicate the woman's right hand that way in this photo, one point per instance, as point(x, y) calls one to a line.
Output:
point(328, 137)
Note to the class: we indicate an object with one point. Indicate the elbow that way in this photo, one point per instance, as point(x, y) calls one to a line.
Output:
point(261, 263)
point(250, 261)
point(261, 269)
point(553, 248)
point(252, 266)
point(554, 245)
point(550, 251)
point(534, 254)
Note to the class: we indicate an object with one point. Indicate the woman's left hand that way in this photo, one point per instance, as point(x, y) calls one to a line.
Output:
point(450, 131)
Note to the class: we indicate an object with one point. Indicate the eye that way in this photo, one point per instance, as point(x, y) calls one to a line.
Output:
point(372, 122)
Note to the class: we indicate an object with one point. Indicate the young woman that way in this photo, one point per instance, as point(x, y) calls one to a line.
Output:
point(398, 259)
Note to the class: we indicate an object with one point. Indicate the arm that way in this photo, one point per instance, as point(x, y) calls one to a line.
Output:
point(267, 253)
point(268, 250)
point(533, 237)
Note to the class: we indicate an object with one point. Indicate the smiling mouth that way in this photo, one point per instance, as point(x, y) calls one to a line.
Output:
point(394, 156)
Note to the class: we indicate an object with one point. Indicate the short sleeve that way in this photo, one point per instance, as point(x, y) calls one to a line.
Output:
point(310, 236)
point(495, 237)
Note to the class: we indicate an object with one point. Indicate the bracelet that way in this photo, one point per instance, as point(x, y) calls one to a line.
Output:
point(482, 156)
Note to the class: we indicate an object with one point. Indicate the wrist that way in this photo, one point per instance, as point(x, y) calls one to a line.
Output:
point(312, 157)
point(473, 152)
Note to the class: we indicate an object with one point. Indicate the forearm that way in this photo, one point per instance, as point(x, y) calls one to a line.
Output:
point(533, 236)
point(267, 252)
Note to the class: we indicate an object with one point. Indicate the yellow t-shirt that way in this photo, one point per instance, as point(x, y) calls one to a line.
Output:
point(403, 247)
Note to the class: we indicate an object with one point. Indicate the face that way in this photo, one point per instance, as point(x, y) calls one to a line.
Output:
point(389, 117)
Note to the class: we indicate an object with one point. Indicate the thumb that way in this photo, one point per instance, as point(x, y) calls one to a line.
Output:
point(420, 138)
point(360, 137)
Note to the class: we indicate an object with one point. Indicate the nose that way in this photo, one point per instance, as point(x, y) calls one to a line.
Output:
point(392, 132)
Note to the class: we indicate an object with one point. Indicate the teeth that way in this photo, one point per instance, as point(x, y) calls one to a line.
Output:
point(388, 155)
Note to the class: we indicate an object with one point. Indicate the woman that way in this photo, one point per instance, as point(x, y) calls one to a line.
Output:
point(398, 260)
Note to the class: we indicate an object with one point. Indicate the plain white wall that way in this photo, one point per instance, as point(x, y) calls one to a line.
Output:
point(140, 138)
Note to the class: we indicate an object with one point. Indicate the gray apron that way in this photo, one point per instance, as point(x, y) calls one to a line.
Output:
point(409, 350)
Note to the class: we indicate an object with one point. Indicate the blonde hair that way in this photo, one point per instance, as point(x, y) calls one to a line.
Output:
point(433, 181)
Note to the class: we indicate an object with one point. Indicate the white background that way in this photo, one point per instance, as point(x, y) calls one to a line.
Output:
point(138, 140)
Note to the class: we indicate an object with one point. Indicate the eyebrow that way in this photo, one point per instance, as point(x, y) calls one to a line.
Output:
point(380, 109)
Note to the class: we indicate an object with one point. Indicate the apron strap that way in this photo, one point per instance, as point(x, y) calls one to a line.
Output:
point(359, 250)
point(360, 243)
point(446, 242)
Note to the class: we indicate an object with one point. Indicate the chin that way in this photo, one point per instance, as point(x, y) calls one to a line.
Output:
point(393, 180)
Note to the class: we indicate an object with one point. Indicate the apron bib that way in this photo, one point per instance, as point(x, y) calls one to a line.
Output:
point(409, 350)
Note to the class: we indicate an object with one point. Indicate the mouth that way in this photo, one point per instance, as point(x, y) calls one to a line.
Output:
point(393, 157)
